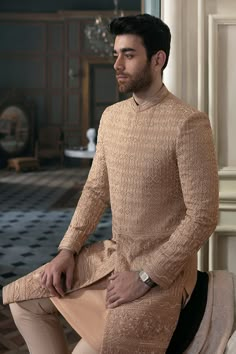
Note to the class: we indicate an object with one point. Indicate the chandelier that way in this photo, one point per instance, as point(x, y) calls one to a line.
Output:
point(101, 41)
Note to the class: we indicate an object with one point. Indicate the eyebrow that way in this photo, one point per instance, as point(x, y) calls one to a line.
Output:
point(124, 50)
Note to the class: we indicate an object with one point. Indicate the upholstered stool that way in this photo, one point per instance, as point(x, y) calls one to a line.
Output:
point(23, 163)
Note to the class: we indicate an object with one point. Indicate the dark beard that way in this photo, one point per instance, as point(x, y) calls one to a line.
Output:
point(140, 83)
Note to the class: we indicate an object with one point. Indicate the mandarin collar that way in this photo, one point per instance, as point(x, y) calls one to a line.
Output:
point(150, 101)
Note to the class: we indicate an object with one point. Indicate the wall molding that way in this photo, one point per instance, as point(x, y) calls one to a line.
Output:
point(221, 231)
point(201, 56)
point(227, 200)
point(214, 22)
point(227, 172)
point(208, 75)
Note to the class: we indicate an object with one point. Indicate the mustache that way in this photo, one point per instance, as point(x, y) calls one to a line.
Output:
point(122, 74)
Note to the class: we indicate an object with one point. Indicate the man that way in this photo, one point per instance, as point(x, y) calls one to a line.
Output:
point(155, 165)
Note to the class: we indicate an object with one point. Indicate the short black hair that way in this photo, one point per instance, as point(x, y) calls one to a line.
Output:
point(154, 33)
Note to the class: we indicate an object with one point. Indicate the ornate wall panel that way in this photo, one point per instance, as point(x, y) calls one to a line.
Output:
point(206, 79)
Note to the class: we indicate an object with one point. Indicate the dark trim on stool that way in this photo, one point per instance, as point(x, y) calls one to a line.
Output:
point(190, 317)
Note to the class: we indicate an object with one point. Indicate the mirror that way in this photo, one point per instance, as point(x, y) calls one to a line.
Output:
point(15, 128)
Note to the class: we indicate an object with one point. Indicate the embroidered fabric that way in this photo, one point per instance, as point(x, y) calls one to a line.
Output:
point(155, 165)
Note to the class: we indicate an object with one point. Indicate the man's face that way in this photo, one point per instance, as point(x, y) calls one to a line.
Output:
point(133, 70)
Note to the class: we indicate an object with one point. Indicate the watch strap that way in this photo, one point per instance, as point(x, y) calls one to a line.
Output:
point(144, 277)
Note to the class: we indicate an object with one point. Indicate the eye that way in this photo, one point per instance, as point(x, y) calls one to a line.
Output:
point(129, 56)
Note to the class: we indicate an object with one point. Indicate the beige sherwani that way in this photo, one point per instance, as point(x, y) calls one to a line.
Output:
point(155, 165)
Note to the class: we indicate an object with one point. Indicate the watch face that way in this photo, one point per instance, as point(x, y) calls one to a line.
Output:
point(146, 279)
point(144, 276)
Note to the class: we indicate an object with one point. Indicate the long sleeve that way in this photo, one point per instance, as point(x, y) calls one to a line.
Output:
point(92, 203)
point(198, 176)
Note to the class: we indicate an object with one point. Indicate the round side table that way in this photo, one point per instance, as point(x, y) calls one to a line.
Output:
point(79, 154)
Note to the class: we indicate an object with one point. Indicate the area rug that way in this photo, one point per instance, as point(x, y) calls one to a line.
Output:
point(70, 198)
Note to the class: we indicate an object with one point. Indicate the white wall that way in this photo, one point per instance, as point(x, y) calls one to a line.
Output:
point(203, 57)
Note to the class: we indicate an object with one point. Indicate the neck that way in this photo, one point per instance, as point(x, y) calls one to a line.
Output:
point(142, 96)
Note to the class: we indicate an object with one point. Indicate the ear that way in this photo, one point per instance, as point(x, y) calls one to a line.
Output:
point(159, 59)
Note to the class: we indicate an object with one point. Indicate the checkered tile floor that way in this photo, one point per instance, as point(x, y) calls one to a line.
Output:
point(30, 230)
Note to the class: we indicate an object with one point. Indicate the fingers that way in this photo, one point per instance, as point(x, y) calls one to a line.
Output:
point(57, 284)
point(111, 299)
point(52, 283)
point(110, 286)
point(112, 281)
point(113, 276)
point(124, 287)
point(58, 274)
point(115, 304)
point(69, 278)
point(43, 279)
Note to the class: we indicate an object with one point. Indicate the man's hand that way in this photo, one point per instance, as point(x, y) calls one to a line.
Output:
point(61, 266)
point(124, 287)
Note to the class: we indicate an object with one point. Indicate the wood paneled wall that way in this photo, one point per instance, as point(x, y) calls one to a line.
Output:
point(48, 58)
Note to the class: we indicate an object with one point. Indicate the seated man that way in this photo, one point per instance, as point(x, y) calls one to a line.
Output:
point(155, 166)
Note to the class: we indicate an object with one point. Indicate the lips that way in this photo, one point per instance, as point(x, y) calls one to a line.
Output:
point(121, 77)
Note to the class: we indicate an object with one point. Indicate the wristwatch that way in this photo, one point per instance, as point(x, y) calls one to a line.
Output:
point(146, 279)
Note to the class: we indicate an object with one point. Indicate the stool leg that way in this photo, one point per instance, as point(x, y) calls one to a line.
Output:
point(17, 167)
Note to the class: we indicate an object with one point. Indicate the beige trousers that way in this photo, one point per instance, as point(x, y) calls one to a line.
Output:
point(38, 323)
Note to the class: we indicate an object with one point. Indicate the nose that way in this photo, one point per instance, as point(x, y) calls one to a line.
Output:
point(119, 63)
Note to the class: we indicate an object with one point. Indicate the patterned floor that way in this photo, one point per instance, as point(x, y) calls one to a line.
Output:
point(30, 231)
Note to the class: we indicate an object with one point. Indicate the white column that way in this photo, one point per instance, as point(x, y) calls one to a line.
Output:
point(172, 16)
point(201, 55)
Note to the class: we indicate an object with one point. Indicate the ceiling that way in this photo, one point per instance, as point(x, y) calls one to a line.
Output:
point(55, 5)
